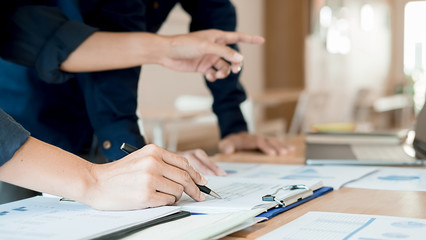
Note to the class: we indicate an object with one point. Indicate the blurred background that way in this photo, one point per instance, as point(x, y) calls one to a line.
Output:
point(351, 65)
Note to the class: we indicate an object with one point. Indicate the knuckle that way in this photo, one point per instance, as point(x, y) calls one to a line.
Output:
point(147, 182)
point(186, 178)
point(185, 164)
point(151, 160)
point(204, 46)
point(180, 189)
point(151, 147)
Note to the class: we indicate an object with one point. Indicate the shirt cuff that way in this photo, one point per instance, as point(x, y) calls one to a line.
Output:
point(12, 137)
point(231, 121)
point(57, 49)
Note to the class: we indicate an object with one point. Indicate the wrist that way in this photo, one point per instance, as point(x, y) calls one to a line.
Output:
point(89, 185)
point(150, 48)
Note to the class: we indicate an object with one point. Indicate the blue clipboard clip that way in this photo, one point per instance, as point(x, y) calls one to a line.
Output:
point(301, 191)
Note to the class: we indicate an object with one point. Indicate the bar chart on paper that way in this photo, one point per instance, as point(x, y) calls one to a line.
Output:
point(394, 178)
point(330, 226)
point(333, 176)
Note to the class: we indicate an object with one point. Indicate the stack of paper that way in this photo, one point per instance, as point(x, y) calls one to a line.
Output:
point(48, 218)
point(211, 226)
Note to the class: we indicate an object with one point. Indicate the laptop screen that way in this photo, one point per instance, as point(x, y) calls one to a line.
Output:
point(419, 143)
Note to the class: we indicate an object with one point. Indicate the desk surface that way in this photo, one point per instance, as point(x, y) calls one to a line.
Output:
point(345, 200)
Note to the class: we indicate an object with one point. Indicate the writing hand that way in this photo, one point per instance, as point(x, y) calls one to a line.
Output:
point(149, 177)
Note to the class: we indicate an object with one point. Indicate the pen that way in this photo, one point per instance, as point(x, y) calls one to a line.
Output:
point(127, 148)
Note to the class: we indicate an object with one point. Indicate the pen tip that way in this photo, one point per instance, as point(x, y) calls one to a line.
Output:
point(214, 194)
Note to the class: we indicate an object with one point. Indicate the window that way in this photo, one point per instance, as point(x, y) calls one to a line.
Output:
point(414, 43)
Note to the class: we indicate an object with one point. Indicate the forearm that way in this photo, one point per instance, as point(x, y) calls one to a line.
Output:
point(45, 168)
point(106, 51)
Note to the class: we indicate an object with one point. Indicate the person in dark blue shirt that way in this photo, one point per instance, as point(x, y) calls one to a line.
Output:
point(147, 178)
point(103, 104)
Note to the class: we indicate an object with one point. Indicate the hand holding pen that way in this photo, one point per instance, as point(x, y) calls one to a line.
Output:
point(201, 186)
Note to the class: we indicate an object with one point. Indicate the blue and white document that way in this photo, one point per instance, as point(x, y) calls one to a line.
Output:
point(338, 226)
point(333, 176)
point(394, 178)
point(48, 218)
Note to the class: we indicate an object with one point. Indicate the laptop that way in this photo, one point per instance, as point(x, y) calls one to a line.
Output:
point(369, 149)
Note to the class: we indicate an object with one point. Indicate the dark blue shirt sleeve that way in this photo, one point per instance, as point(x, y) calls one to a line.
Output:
point(42, 37)
point(12, 137)
point(227, 93)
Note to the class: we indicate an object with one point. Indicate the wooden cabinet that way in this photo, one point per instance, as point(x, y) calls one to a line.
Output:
point(286, 26)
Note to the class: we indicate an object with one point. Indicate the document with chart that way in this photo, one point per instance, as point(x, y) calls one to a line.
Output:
point(394, 178)
point(48, 218)
point(338, 226)
point(245, 194)
point(333, 176)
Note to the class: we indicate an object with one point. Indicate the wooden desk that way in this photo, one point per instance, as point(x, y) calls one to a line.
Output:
point(160, 118)
point(345, 200)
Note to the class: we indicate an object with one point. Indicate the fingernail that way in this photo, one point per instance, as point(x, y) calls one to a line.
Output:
point(210, 77)
point(236, 69)
point(221, 172)
point(237, 57)
point(220, 75)
point(203, 180)
point(202, 196)
point(229, 150)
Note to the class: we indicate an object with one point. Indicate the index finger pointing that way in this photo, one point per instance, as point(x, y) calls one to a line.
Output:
point(236, 37)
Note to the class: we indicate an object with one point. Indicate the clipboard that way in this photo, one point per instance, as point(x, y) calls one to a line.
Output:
point(303, 197)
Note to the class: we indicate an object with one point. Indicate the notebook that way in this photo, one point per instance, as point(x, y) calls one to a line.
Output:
point(369, 149)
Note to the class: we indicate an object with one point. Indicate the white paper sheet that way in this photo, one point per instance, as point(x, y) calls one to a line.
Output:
point(48, 218)
point(241, 194)
point(333, 176)
point(211, 226)
point(342, 226)
point(394, 178)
